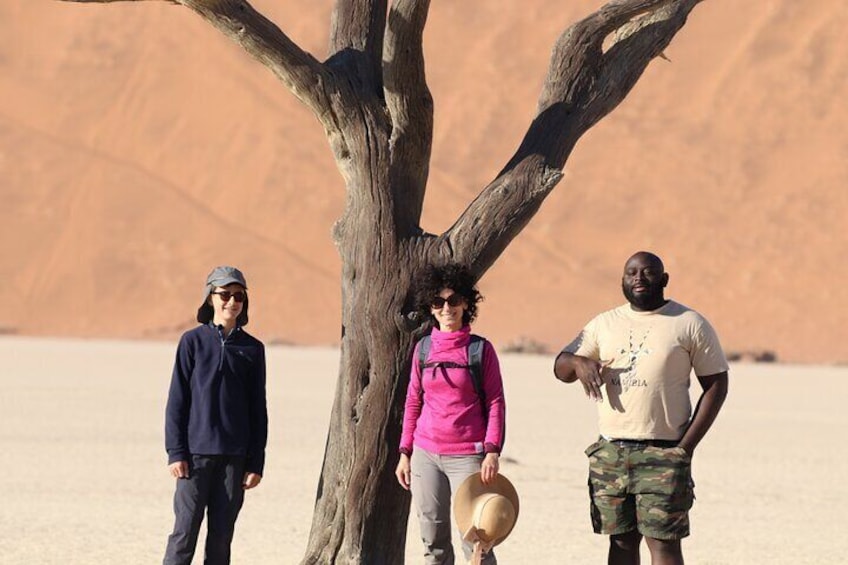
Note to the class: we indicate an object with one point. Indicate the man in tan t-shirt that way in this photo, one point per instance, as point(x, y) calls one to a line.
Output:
point(635, 361)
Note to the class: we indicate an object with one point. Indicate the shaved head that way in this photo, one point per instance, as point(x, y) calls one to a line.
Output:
point(648, 258)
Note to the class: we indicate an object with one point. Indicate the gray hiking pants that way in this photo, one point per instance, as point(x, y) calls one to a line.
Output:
point(434, 478)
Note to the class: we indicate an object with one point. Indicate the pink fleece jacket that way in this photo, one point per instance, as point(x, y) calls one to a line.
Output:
point(447, 419)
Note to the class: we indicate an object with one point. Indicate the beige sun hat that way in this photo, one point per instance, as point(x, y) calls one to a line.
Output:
point(484, 513)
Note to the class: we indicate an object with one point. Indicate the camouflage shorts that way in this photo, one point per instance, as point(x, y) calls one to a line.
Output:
point(640, 487)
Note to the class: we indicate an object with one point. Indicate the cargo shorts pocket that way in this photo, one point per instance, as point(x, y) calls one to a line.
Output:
point(665, 471)
point(594, 448)
point(606, 476)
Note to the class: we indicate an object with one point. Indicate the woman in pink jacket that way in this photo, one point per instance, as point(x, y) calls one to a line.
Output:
point(452, 426)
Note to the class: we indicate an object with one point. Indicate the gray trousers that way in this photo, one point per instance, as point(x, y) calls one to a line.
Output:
point(214, 486)
point(434, 478)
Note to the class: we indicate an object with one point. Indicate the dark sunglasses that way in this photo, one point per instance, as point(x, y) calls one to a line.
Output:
point(453, 301)
point(225, 295)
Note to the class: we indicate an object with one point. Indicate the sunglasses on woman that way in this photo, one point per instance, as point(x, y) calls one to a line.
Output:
point(225, 295)
point(453, 301)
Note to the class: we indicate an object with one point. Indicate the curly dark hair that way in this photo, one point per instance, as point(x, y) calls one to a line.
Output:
point(453, 276)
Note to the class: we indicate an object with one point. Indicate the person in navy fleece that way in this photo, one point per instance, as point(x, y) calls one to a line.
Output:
point(216, 422)
point(448, 434)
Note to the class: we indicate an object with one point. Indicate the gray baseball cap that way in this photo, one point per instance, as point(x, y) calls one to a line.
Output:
point(221, 276)
point(224, 275)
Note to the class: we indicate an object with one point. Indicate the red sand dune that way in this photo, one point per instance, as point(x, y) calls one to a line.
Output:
point(139, 147)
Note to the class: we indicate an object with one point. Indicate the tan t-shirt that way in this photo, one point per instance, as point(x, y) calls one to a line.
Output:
point(650, 355)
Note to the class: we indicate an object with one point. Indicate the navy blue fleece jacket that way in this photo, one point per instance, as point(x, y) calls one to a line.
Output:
point(216, 404)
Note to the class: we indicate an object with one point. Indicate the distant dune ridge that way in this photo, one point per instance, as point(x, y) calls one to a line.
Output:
point(139, 147)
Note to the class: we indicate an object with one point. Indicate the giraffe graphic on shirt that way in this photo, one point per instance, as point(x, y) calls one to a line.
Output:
point(628, 376)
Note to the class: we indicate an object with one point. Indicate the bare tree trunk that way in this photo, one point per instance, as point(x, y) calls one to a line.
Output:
point(361, 512)
point(372, 99)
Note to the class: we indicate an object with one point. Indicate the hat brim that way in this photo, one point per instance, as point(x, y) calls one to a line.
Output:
point(471, 490)
point(224, 281)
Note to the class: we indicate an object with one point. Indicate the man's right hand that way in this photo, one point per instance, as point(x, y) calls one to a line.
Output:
point(179, 469)
point(588, 371)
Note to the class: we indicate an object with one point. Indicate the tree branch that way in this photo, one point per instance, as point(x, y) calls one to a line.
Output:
point(635, 44)
point(497, 215)
point(584, 84)
point(310, 81)
point(410, 107)
point(591, 81)
point(302, 74)
point(356, 41)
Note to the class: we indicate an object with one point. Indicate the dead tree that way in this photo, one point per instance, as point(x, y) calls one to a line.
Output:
point(371, 96)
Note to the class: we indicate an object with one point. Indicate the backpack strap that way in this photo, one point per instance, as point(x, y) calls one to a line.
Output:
point(475, 366)
point(423, 350)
